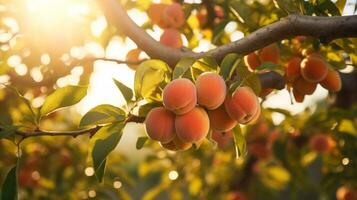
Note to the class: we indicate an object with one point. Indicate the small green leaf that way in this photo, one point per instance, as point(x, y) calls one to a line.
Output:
point(240, 142)
point(207, 63)
point(8, 131)
point(145, 109)
point(246, 78)
point(102, 114)
point(63, 97)
point(125, 90)
point(141, 142)
point(268, 65)
point(182, 67)
point(103, 147)
point(9, 187)
point(229, 64)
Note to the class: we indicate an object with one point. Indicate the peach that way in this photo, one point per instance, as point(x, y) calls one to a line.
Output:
point(321, 143)
point(332, 82)
point(270, 53)
point(255, 118)
point(220, 120)
point(192, 126)
point(259, 150)
point(314, 69)
point(299, 97)
point(171, 38)
point(304, 87)
point(176, 145)
point(174, 16)
point(223, 139)
point(265, 92)
point(160, 124)
point(180, 96)
point(211, 90)
point(345, 193)
point(292, 69)
point(155, 13)
point(252, 61)
point(133, 56)
point(242, 105)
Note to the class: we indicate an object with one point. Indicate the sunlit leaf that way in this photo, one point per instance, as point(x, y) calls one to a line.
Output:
point(125, 90)
point(63, 97)
point(240, 142)
point(182, 67)
point(229, 64)
point(102, 114)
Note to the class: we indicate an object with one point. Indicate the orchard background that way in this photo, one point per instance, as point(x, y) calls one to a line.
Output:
point(79, 78)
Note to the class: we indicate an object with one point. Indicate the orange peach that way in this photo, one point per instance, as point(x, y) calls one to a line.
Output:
point(255, 118)
point(252, 61)
point(223, 139)
point(314, 69)
point(133, 56)
point(155, 13)
point(192, 126)
point(171, 38)
point(292, 69)
point(211, 90)
point(299, 97)
point(176, 145)
point(346, 193)
point(304, 87)
point(332, 82)
point(160, 124)
point(220, 120)
point(270, 53)
point(174, 16)
point(242, 105)
point(321, 143)
point(180, 96)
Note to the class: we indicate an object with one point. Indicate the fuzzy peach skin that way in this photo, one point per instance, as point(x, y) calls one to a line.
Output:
point(160, 124)
point(211, 90)
point(255, 117)
point(242, 105)
point(270, 53)
point(299, 97)
point(180, 96)
point(332, 82)
point(314, 69)
point(292, 69)
point(155, 13)
point(220, 120)
point(174, 16)
point(223, 139)
point(176, 145)
point(192, 126)
point(304, 87)
point(172, 38)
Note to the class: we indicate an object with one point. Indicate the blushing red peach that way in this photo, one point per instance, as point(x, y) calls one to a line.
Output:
point(314, 69)
point(172, 38)
point(220, 120)
point(332, 82)
point(192, 126)
point(270, 53)
point(174, 16)
point(211, 90)
point(180, 96)
point(176, 145)
point(155, 13)
point(304, 87)
point(160, 124)
point(292, 69)
point(299, 97)
point(243, 105)
point(252, 61)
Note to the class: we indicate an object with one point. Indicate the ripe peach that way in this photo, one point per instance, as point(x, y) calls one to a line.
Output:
point(299, 97)
point(223, 139)
point(220, 120)
point(265, 92)
point(304, 87)
point(192, 126)
point(314, 69)
point(321, 143)
point(133, 56)
point(242, 105)
point(155, 13)
point(346, 193)
point(259, 150)
point(270, 53)
point(174, 16)
point(160, 124)
point(180, 96)
point(252, 61)
point(292, 69)
point(211, 90)
point(255, 118)
point(172, 38)
point(176, 145)
point(332, 82)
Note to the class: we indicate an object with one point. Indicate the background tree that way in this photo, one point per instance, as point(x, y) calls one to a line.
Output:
point(190, 77)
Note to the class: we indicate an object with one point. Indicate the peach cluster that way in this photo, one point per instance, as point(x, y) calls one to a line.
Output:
point(270, 53)
point(304, 75)
point(190, 110)
point(169, 17)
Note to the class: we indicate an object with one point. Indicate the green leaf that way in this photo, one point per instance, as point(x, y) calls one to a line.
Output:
point(229, 64)
point(141, 142)
point(340, 4)
point(8, 131)
point(102, 114)
point(103, 147)
point(9, 187)
point(150, 78)
point(63, 97)
point(246, 78)
point(125, 90)
point(207, 63)
point(145, 109)
point(240, 142)
point(182, 67)
point(268, 65)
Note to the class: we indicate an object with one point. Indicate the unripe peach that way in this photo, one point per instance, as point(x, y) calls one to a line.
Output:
point(192, 126)
point(180, 96)
point(314, 69)
point(160, 124)
point(321, 143)
point(332, 82)
point(171, 38)
point(242, 105)
point(345, 193)
point(292, 69)
point(155, 13)
point(299, 97)
point(304, 87)
point(174, 16)
point(220, 120)
point(252, 61)
point(223, 139)
point(211, 90)
point(270, 53)
point(133, 56)
point(176, 145)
